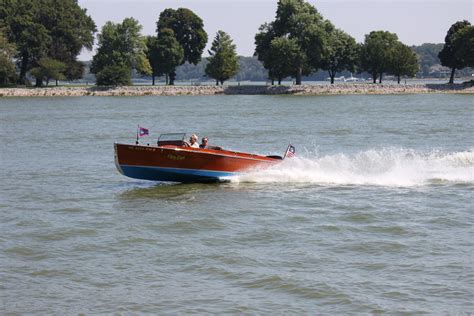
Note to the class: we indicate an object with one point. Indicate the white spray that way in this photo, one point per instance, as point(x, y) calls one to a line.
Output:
point(384, 167)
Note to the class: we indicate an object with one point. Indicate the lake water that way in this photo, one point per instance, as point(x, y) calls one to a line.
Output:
point(374, 215)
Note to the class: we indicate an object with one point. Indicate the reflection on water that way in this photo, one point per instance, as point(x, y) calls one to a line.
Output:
point(168, 191)
point(182, 191)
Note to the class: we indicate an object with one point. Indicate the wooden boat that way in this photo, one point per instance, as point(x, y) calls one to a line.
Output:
point(171, 160)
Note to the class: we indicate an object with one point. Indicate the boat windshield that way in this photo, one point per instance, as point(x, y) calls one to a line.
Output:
point(171, 139)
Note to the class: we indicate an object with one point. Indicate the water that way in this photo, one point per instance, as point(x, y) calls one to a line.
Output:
point(374, 215)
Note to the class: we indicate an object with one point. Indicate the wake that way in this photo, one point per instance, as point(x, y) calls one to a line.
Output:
point(384, 167)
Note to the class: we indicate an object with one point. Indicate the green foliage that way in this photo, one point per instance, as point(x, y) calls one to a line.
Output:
point(250, 68)
point(71, 30)
point(142, 65)
point(285, 55)
point(152, 54)
point(121, 45)
point(191, 72)
point(7, 68)
point(48, 69)
point(114, 75)
point(299, 21)
point(263, 40)
point(449, 55)
point(464, 43)
point(47, 28)
point(24, 28)
point(375, 53)
point(341, 53)
point(188, 30)
point(75, 70)
point(428, 57)
point(403, 61)
point(223, 61)
point(170, 55)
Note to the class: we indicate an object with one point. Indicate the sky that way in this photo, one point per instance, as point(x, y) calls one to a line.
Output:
point(414, 21)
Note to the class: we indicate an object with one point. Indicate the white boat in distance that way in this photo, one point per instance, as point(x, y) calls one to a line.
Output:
point(344, 79)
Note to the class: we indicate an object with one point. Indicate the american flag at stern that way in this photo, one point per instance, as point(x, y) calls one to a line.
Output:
point(290, 151)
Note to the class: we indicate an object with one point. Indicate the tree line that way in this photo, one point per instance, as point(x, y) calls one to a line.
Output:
point(43, 38)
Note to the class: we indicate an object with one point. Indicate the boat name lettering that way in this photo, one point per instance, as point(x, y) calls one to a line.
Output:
point(176, 157)
point(141, 148)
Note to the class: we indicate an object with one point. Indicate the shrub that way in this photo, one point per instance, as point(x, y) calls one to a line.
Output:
point(114, 75)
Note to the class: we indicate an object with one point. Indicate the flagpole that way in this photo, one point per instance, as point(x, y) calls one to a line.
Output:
point(138, 127)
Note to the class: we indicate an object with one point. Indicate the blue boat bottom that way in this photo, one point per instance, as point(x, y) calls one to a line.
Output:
point(173, 174)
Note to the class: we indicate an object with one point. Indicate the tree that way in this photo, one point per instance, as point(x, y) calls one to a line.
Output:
point(448, 55)
point(263, 40)
point(341, 53)
point(298, 20)
point(120, 44)
point(25, 31)
point(48, 69)
point(47, 28)
point(114, 75)
point(375, 53)
point(152, 54)
point(223, 60)
point(403, 61)
point(7, 67)
point(170, 55)
point(428, 57)
point(464, 43)
point(188, 30)
point(285, 55)
point(71, 30)
point(250, 69)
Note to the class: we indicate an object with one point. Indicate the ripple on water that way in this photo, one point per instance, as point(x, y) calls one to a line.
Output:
point(329, 228)
point(63, 234)
point(276, 283)
point(359, 218)
point(69, 210)
point(373, 266)
point(218, 272)
point(446, 221)
point(50, 273)
point(27, 252)
point(372, 247)
point(390, 230)
point(136, 241)
point(260, 237)
point(191, 226)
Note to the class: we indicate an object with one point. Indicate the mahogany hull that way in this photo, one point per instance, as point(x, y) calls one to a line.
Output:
point(184, 164)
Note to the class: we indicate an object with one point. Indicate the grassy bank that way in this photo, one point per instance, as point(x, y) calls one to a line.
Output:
point(354, 88)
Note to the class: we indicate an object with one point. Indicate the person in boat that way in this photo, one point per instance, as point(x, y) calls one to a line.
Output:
point(205, 144)
point(193, 142)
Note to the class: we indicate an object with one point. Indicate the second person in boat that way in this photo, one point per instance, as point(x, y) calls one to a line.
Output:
point(205, 144)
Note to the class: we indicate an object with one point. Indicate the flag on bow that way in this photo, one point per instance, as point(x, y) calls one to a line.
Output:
point(290, 151)
point(142, 131)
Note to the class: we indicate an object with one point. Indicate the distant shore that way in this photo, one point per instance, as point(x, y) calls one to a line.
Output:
point(337, 89)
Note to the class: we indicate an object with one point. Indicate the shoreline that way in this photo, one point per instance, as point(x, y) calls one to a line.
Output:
point(337, 89)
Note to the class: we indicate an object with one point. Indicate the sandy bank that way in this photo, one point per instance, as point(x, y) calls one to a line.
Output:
point(233, 90)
